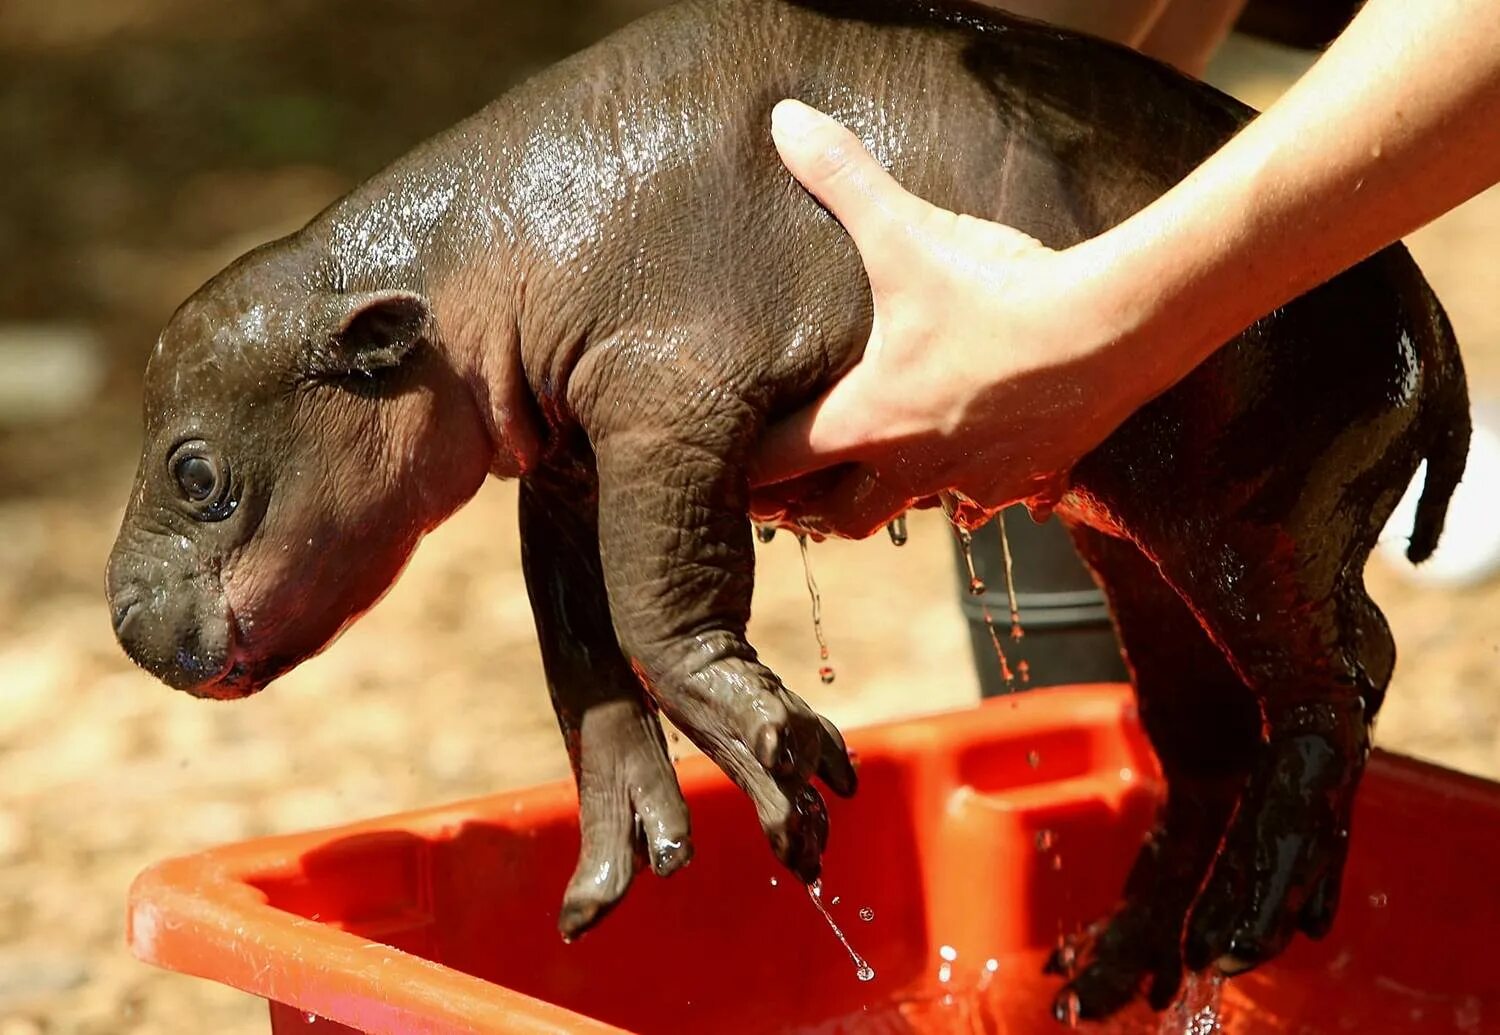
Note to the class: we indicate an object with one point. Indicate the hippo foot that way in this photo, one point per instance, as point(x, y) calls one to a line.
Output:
point(1113, 962)
point(1139, 948)
point(1283, 855)
point(631, 811)
point(768, 741)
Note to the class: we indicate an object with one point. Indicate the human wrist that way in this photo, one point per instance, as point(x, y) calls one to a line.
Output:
point(1136, 347)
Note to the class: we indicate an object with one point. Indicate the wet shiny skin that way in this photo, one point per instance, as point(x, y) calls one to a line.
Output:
point(606, 284)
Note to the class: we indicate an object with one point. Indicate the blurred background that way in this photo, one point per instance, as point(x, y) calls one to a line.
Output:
point(148, 142)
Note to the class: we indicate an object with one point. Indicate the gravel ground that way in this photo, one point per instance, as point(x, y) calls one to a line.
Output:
point(165, 139)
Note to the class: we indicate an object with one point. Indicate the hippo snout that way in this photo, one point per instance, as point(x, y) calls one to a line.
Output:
point(182, 633)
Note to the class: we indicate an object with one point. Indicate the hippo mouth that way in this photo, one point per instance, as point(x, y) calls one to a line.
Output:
point(237, 677)
point(234, 683)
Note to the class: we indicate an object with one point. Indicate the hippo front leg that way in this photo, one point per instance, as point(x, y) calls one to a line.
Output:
point(628, 797)
point(679, 563)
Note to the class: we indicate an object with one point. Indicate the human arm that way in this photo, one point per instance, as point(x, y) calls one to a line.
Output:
point(1394, 125)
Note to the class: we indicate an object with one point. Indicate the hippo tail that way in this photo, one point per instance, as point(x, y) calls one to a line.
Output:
point(1445, 433)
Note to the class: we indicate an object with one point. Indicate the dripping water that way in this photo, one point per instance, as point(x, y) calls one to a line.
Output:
point(862, 970)
point(966, 543)
point(977, 587)
point(897, 530)
point(825, 670)
point(1005, 670)
point(1016, 632)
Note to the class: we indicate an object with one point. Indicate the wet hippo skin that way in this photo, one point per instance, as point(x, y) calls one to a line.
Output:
point(606, 284)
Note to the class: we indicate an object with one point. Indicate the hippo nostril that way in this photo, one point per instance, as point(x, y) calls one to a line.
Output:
point(123, 613)
point(193, 665)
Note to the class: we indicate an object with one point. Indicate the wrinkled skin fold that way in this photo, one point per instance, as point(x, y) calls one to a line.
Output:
point(606, 285)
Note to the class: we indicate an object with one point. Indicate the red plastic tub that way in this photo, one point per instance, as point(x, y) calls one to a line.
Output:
point(976, 839)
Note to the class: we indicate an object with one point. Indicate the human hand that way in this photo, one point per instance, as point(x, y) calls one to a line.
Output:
point(994, 363)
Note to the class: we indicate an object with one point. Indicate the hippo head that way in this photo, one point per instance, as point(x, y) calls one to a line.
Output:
point(299, 441)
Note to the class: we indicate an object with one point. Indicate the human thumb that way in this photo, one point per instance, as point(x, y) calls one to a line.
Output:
point(834, 166)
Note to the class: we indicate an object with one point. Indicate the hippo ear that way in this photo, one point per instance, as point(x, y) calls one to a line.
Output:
point(370, 331)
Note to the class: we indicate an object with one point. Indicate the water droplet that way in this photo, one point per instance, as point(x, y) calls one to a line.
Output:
point(1056, 863)
point(826, 674)
point(866, 914)
point(1126, 774)
point(945, 973)
point(1033, 758)
point(1023, 669)
point(765, 533)
point(991, 965)
point(310, 1018)
point(1379, 900)
point(1045, 839)
point(835, 900)
point(948, 953)
point(774, 882)
point(865, 972)
point(976, 585)
point(897, 530)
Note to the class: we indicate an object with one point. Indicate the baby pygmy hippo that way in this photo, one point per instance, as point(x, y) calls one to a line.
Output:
point(605, 284)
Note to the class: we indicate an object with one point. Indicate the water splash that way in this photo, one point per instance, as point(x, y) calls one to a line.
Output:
point(1196, 1011)
point(862, 970)
point(1068, 1009)
point(825, 671)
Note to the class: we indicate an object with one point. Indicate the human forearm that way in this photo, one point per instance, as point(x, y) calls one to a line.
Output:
point(1397, 123)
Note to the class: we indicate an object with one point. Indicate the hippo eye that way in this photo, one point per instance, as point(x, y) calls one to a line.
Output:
point(196, 478)
point(203, 481)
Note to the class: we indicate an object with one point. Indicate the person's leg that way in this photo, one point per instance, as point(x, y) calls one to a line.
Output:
point(1124, 21)
point(1188, 32)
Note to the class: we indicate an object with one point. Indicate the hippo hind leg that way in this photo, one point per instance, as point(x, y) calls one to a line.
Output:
point(1280, 868)
point(1285, 602)
point(1204, 725)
